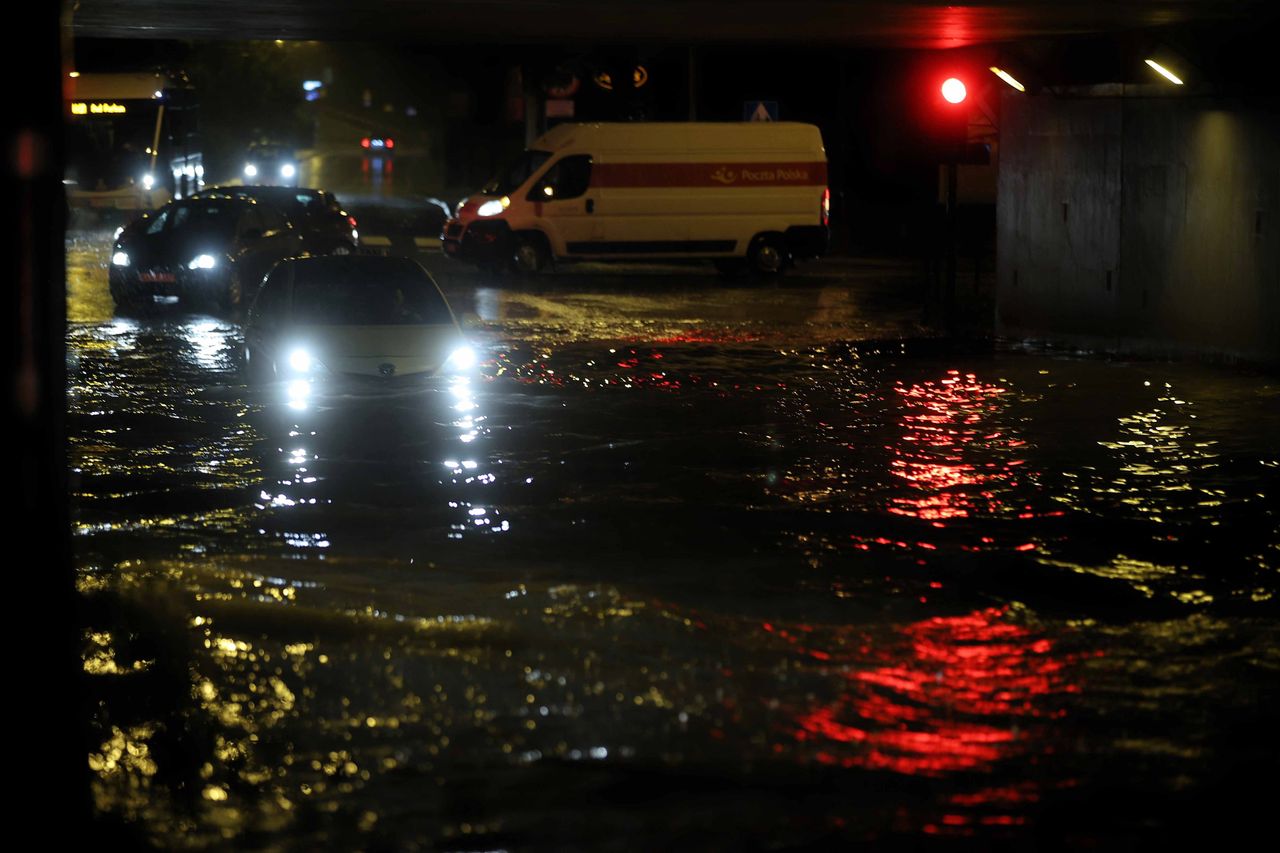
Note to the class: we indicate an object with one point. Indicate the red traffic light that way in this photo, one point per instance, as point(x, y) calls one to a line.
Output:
point(953, 90)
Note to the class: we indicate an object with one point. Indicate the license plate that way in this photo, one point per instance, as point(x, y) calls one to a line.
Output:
point(153, 277)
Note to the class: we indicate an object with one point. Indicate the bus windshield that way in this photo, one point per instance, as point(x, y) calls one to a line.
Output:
point(515, 174)
point(132, 132)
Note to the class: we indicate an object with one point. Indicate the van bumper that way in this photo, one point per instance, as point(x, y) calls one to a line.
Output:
point(479, 242)
point(808, 241)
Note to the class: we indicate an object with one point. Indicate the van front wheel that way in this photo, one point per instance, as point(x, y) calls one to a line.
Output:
point(530, 254)
point(767, 255)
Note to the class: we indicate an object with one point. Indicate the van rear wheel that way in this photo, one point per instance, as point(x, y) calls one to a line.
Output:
point(767, 255)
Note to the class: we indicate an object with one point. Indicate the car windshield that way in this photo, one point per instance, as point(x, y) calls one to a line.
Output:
point(269, 152)
point(514, 175)
point(204, 218)
point(354, 292)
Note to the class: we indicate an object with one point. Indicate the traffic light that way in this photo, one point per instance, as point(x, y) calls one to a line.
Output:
point(954, 91)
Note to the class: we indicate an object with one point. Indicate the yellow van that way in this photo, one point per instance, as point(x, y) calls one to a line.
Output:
point(748, 194)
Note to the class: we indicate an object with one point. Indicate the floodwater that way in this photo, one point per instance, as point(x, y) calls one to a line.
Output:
point(684, 565)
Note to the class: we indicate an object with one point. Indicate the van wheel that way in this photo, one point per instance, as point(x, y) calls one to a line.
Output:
point(530, 254)
point(767, 255)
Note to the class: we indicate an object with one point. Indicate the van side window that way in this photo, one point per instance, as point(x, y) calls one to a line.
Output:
point(568, 178)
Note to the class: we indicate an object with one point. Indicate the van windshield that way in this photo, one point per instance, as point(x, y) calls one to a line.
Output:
point(509, 179)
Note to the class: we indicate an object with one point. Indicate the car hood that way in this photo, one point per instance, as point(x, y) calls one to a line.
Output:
point(367, 350)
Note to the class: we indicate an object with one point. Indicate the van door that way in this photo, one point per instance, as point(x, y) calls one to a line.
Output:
point(564, 206)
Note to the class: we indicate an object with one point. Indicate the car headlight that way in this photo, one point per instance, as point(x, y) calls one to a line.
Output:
point(148, 181)
point(202, 262)
point(120, 259)
point(288, 170)
point(116, 236)
point(462, 358)
point(300, 360)
point(250, 170)
point(494, 206)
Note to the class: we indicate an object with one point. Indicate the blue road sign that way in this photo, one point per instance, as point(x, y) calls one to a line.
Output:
point(760, 111)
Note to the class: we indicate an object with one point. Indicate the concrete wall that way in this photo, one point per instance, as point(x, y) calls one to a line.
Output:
point(1140, 223)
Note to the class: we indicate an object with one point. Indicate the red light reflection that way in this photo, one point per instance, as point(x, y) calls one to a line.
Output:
point(945, 430)
point(958, 693)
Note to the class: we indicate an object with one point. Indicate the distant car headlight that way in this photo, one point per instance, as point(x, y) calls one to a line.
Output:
point(301, 360)
point(148, 181)
point(120, 259)
point(494, 206)
point(462, 358)
point(202, 262)
point(250, 170)
point(288, 170)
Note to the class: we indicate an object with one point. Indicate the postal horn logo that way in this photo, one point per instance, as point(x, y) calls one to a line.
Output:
point(724, 176)
point(387, 368)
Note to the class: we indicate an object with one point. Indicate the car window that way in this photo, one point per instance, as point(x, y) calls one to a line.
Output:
point(251, 220)
point(272, 219)
point(568, 178)
point(202, 217)
point(157, 224)
point(360, 294)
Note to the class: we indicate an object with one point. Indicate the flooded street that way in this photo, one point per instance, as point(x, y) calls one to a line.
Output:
point(687, 564)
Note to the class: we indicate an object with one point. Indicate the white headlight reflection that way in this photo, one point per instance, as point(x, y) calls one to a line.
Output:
point(298, 392)
point(120, 259)
point(203, 262)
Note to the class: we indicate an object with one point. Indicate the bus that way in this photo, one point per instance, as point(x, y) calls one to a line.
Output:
point(133, 140)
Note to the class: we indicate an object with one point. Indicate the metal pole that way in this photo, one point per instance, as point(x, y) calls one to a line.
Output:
point(949, 293)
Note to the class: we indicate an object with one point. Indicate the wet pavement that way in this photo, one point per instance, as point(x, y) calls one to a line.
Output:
point(686, 565)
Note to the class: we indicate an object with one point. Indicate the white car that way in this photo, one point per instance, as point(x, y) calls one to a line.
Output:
point(320, 318)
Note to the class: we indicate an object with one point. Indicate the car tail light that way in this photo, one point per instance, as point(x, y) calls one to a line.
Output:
point(352, 220)
point(391, 143)
point(826, 206)
point(364, 143)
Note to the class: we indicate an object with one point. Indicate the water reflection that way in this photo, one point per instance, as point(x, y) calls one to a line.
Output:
point(955, 457)
point(946, 695)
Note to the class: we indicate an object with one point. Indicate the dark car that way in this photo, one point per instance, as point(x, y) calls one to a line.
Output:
point(380, 144)
point(325, 226)
point(200, 250)
point(271, 163)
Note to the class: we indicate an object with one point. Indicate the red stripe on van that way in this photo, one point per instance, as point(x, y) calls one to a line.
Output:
point(811, 174)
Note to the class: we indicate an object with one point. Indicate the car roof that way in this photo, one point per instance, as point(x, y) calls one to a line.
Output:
point(205, 200)
point(370, 264)
point(263, 190)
